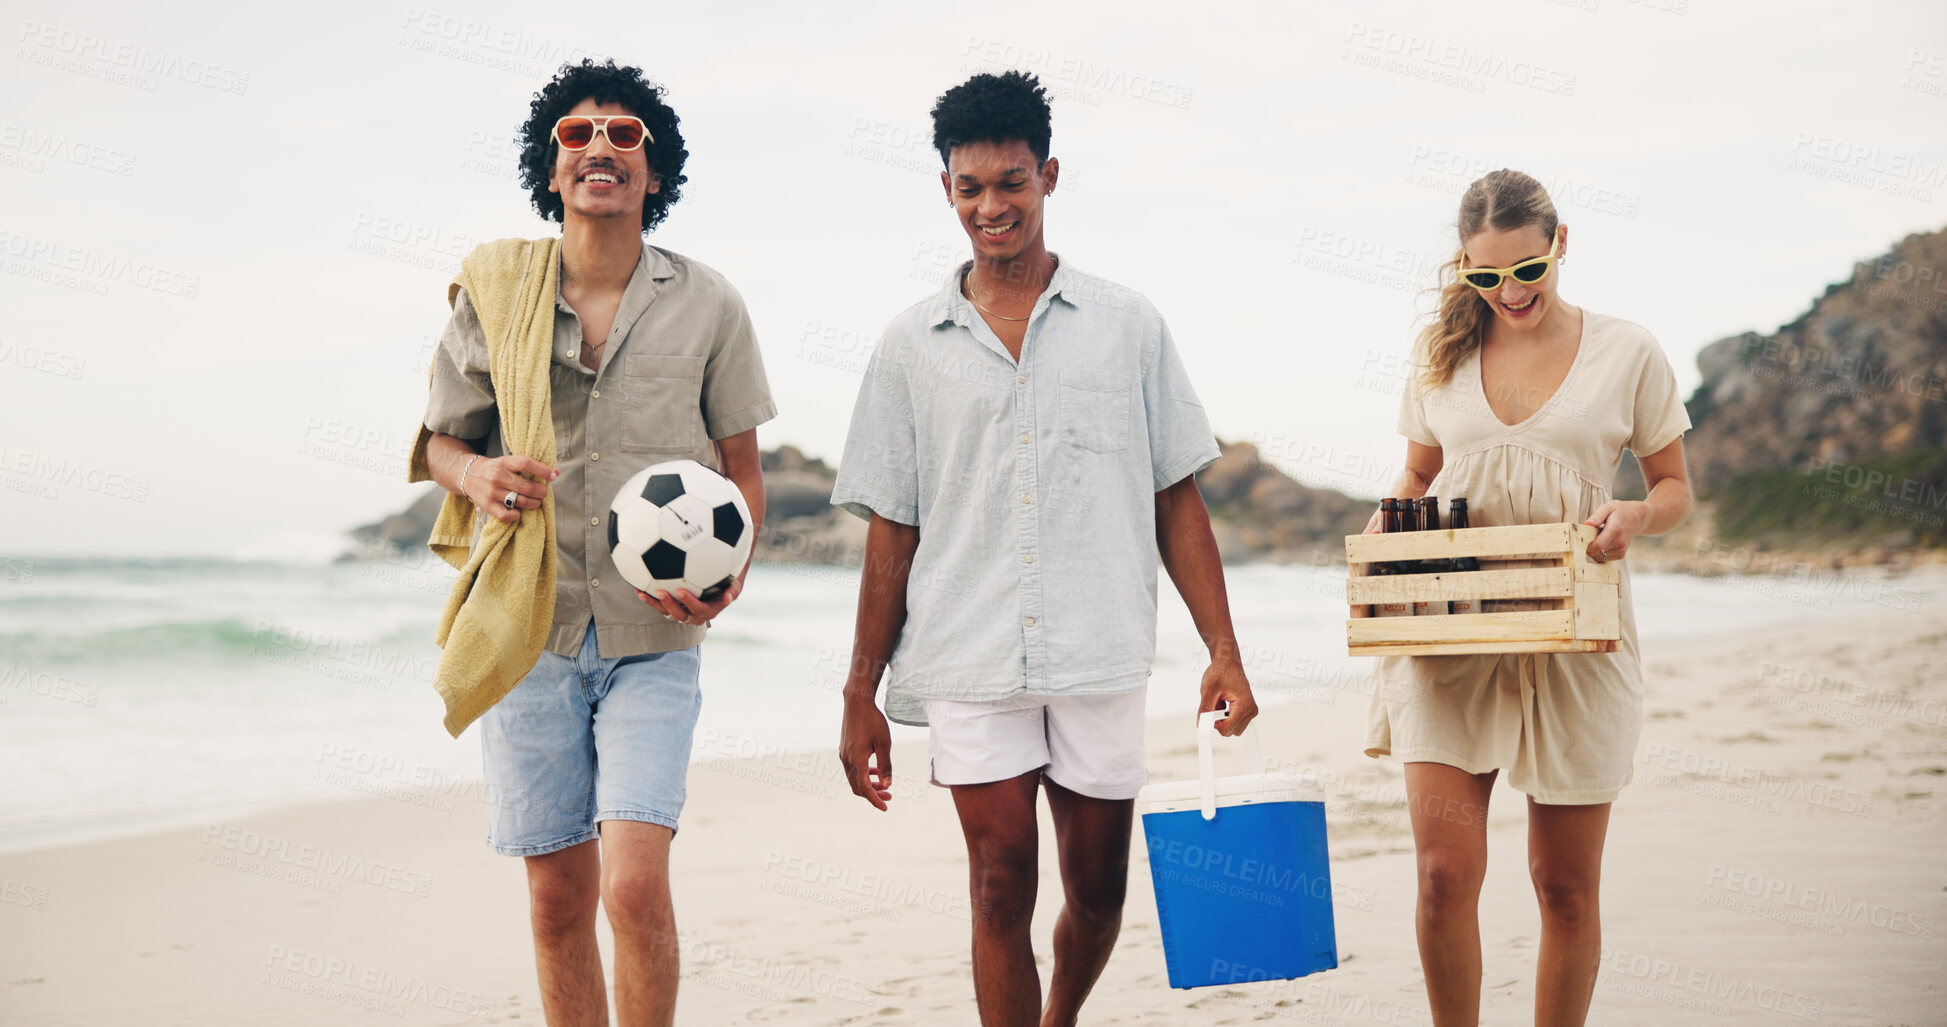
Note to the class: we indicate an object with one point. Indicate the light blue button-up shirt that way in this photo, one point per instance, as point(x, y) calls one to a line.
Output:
point(1033, 485)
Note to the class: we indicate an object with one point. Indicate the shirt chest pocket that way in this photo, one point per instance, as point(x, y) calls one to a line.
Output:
point(661, 397)
point(1094, 409)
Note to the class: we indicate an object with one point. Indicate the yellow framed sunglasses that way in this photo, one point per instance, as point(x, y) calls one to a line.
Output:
point(624, 132)
point(1528, 272)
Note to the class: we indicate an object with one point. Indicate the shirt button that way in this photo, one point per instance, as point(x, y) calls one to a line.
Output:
point(595, 394)
point(1030, 622)
point(571, 353)
point(1023, 379)
point(594, 456)
point(1027, 499)
point(1028, 558)
point(1024, 437)
point(595, 520)
point(594, 583)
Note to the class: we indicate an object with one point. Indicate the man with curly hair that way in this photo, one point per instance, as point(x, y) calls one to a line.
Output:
point(653, 359)
point(1024, 446)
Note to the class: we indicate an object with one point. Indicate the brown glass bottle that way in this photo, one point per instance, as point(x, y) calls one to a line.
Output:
point(1378, 567)
point(1393, 523)
point(1457, 520)
point(1429, 520)
point(1409, 520)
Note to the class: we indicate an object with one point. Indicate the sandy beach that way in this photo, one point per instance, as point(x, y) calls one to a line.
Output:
point(1778, 859)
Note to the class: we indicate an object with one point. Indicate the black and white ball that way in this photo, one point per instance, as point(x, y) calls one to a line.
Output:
point(679, 525)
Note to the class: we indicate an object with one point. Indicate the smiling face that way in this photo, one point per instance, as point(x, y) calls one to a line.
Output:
point(1519, 305)
point(601, 181)
point(997, 191)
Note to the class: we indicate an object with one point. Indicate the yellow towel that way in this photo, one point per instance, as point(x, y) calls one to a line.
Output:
point(497, 618)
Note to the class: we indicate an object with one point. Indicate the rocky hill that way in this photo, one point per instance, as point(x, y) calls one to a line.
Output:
point(1260, 513)
point(1833, 429)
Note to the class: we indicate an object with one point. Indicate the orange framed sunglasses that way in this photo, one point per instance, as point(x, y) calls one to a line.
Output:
point(623, 131)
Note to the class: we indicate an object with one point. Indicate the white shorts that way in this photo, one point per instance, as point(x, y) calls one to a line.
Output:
point(1090, 744)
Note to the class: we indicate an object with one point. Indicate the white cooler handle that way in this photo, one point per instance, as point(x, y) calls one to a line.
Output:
point(1206, 760)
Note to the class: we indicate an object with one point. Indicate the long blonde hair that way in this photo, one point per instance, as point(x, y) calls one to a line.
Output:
point(1503, 200)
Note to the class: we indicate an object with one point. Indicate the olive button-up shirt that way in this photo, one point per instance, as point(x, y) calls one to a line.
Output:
point(681, 369)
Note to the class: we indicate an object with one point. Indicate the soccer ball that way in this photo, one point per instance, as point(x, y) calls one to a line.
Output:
point(679, 525)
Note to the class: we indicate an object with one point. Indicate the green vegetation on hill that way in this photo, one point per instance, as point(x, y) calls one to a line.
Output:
point(1901, 499)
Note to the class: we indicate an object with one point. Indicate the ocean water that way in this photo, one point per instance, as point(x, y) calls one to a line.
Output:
point(138, 694)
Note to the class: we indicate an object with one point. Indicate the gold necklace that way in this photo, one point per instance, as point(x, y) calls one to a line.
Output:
point(967, 283)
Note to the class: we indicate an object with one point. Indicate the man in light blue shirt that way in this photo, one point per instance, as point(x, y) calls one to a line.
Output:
point(1024, 446)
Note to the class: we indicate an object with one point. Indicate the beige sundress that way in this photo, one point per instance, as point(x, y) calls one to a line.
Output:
point(1564, 726)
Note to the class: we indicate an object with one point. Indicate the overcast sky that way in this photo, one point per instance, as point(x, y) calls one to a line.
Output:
point(227, 233)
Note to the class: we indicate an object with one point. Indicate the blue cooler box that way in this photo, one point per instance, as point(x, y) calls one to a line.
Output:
point(1243, 891)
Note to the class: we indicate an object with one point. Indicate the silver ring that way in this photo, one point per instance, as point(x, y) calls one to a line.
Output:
point(509, 501)
point(1605, 552)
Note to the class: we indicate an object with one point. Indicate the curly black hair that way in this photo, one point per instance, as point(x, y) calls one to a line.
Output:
point(603, 83)
point(993, 109)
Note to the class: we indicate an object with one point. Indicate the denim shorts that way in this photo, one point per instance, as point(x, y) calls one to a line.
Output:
point(586, 739)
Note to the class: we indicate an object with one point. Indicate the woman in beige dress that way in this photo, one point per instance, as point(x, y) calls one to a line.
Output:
point(1522, 404)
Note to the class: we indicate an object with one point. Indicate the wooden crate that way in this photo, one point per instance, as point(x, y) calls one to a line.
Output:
point(1546, 564)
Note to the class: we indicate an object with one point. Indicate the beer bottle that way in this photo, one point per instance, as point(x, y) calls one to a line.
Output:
point(1385, 528)
point(1378, 567)
point(1458, 520)
point(1391, 525)
point(1430, 521)
point(1409, 520)
point(1395, 524)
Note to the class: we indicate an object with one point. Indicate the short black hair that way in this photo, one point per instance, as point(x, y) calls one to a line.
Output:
point(603, 83)
point(993, 109)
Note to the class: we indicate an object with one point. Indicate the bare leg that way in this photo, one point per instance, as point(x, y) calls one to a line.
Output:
point(1565, 861)
point(635, 892)
point(562, 890)
point(1092, 836)
point(1002, 840)
point(1448, 807)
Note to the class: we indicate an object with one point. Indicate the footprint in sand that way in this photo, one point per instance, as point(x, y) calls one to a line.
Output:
point(763, 1013)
